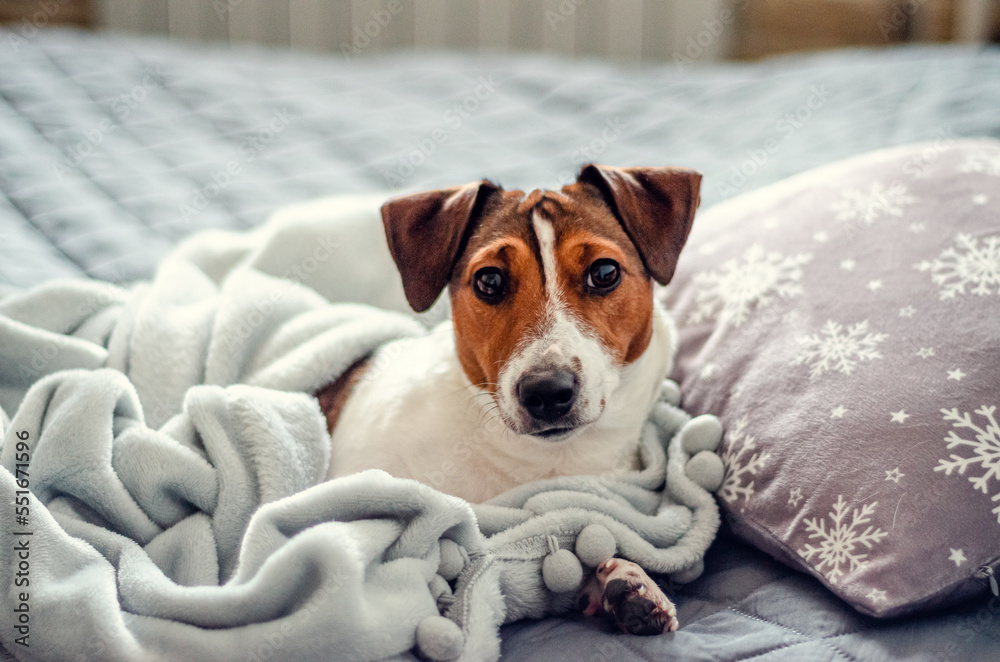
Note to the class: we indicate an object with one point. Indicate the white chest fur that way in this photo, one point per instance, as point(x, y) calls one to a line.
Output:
point(416, 415)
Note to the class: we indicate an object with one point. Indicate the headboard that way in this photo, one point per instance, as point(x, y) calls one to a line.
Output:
point(629, 30)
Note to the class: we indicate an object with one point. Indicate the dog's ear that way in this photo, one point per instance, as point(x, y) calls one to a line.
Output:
point(426, 232)
point(655, 206)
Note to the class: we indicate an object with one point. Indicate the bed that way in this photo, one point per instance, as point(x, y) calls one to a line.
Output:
point(112, 150)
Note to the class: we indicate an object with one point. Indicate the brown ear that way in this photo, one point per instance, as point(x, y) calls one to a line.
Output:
point(655, 206)
point(426, 232)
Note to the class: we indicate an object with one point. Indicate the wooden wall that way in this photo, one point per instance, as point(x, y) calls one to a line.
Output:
point(626, 30)
point(630, 30)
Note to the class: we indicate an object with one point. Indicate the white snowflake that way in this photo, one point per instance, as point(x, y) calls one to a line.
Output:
point(984, 161)
point(868, 207)
point(968, 264)
point(833, 350)
point(740, 284)
point(739, 464)
point(840, 544)
point(985, 449)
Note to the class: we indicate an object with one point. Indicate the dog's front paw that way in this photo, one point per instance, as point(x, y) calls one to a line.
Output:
point(633, 600)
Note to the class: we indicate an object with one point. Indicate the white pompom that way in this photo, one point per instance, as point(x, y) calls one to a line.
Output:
point(595, 544)
point(702, 433)
point(706, 469)
point(440, 639)
point(671, 392)
point(562, 571)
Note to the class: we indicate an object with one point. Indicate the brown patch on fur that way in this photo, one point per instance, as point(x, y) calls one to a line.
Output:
point(656, 206)
point(586, 230)
point(486, 335)
point(529, 202)
point(641, 215)
point(623, 318)
point(425, 232)
point(333, 397)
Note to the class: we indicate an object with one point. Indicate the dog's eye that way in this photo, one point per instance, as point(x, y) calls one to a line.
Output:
point(604, 275)
point(489, 284)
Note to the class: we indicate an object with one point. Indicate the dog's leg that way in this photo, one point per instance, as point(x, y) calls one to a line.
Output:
point(623, 591)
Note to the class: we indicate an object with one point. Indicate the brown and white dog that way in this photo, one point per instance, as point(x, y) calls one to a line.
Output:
point(556, 349)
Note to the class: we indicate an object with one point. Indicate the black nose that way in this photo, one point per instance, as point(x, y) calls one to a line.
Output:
point(548, 395)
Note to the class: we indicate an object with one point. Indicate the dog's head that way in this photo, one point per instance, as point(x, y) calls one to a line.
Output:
point(551, 291)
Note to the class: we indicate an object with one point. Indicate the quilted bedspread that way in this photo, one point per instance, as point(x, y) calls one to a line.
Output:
point(113, 149)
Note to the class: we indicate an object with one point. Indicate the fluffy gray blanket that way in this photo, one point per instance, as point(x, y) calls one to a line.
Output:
point(165, 461)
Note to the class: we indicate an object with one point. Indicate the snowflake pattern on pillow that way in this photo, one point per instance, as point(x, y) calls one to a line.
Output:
point(742, 463)
point(838, 348)
point(967, 263)
point(750, 282)
point(839, 547)
point(845, 325)
point(983, 441)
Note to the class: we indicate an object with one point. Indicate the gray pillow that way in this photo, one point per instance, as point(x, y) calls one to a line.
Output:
point(845, 325)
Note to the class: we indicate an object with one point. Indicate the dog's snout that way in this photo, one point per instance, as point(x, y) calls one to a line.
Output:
point(548, 395)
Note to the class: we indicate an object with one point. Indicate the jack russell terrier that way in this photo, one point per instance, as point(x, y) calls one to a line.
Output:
point(554, 355)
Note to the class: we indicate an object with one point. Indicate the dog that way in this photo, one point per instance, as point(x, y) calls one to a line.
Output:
point(555, 352)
